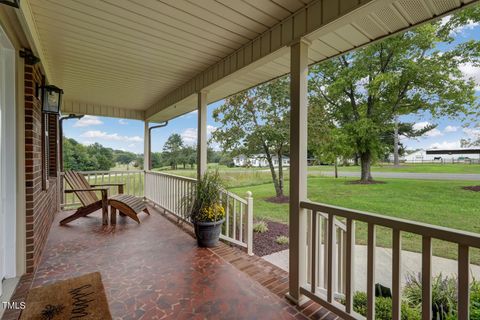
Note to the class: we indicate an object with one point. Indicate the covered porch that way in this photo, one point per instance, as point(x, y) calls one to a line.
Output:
point(157, 60)
point(154, 270)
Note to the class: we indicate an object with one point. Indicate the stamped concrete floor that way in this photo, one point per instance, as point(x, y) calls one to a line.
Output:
point(154, 270)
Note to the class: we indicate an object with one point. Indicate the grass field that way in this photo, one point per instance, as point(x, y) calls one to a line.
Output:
point(409, 168)
point(436, 202)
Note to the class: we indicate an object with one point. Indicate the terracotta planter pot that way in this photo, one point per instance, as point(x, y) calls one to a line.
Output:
point(208, 233)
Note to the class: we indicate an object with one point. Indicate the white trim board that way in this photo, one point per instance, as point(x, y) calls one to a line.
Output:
point(7, 159)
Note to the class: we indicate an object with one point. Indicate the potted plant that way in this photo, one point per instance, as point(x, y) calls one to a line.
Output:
point(206, 212)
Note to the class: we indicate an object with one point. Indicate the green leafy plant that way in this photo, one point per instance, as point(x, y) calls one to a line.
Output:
point(383, 308)
point(444, 295)
point(204, 204)
point(260, 227)
point(282, 240)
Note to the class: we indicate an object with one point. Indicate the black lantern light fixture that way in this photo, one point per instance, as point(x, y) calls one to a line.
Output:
point(52, 99)
point(11, 3)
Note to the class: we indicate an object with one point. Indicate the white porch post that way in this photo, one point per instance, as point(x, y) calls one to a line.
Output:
point(146, 147)
point(298, 167)
point(202, 134)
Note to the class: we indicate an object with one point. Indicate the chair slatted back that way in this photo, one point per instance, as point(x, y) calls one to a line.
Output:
point(78, 181)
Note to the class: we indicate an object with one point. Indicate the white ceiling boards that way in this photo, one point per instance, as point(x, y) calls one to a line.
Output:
point(147, 58)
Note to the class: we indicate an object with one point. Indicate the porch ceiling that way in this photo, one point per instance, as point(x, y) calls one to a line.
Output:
point(147, 59)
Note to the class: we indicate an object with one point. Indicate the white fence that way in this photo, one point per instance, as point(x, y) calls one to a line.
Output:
point(327, 235)
point(132, 180)
point(167, 191)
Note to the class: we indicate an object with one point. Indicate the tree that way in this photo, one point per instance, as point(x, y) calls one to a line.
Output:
point(157, 159)
point(364, 92)
point(257, 121)
point(172, 150)
point(124, 157)
point(102, 156)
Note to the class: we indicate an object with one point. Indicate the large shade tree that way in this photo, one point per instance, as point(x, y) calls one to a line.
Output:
point(256, 121)
point(364, 92)
point(173, 149)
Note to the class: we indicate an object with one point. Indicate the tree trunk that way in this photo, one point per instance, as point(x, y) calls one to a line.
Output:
point(396, 158)
point(356, 159)
point(280, 171)
point(276, 183)
point(366, 162)
point(336, 167)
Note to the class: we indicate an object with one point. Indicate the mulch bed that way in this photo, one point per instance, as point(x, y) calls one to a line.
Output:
point(264, 243)
point(472, 188)
point(282, 199)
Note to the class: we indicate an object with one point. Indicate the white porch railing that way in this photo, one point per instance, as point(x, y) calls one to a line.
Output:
point(167, 191)
point(322, 285)
point(133, 180)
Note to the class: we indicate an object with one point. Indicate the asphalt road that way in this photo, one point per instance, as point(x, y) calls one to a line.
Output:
point(406, 175)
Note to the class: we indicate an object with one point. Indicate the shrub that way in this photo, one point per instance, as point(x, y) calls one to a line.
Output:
point(282, 240)
point(260, 227)
point(444, 295)
point(383, 308)
point(475, 300)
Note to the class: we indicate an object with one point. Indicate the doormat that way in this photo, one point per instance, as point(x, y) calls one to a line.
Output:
point(77, 298)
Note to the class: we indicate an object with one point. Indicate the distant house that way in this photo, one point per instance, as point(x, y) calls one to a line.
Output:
point(444, 155)
point(258, 160)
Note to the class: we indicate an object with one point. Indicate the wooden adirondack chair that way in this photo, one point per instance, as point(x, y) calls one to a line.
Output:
point(87, 196)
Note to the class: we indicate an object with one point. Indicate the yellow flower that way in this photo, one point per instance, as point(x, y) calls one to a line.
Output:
point(212, 213)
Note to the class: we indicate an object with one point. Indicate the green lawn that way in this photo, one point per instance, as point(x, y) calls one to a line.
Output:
point(413, 168)
point(435, 202)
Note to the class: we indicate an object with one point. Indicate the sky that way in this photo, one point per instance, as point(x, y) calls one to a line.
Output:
point(124, 134)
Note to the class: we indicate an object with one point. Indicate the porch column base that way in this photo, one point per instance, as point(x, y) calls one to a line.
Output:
point(299, 302)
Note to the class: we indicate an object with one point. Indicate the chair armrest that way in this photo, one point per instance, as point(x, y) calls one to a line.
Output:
point(84, 190)
point(108, 184)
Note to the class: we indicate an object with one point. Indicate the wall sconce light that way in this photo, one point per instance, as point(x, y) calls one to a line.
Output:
point(11, 3)
point(52, 99)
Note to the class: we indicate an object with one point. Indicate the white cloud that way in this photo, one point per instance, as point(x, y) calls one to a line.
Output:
point(445, 145)
point(420, 125)
point(471, 72)
point(96, 134)
point(122, 121)
point(432, 133)
point(87, 121)
point(471, 132)
point(189, 135)
point(450, 129)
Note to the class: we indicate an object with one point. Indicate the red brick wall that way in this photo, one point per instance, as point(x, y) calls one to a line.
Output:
point(41, 205)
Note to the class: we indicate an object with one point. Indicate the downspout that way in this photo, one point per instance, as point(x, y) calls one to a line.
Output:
point(60, 133)
point(163, 124)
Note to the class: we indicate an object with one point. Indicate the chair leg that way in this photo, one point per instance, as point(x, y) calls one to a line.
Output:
point(113, 215)
point(146, 211)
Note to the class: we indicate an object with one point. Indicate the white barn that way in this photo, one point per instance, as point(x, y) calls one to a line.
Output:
point(444, 155)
